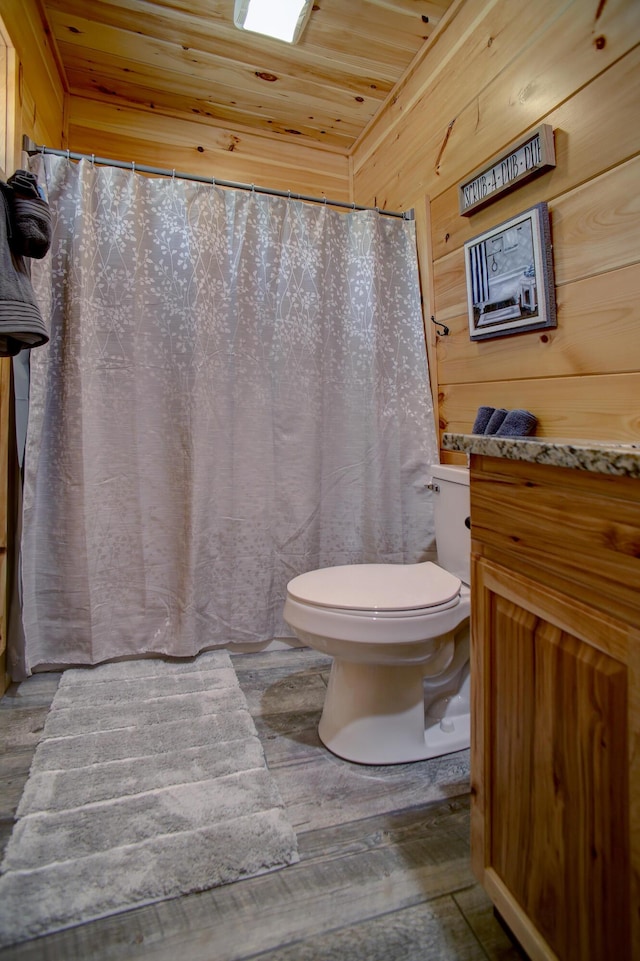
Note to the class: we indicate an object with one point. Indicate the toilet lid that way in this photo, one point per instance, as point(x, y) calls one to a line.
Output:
point(376, 587)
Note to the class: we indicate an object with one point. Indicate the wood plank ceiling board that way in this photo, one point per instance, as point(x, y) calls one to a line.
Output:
point(186, 59)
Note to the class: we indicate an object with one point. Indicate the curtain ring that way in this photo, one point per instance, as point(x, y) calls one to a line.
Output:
point(68, 155)
point(93, 160)
point(173, 174)
point(213, 181)
point(133, 166)
point(42, 150)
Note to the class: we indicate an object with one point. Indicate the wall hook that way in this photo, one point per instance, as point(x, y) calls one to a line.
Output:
point(445, 329)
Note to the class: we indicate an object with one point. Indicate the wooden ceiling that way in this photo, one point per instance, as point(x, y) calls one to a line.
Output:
point(186, 59)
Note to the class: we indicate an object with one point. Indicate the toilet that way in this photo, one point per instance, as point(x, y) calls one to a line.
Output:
point(398, 634)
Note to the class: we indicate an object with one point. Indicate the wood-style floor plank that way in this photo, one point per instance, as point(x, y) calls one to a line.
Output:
point(434, 929)
point(383, 874)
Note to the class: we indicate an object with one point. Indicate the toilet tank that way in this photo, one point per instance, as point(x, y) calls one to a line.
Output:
point(451, 508)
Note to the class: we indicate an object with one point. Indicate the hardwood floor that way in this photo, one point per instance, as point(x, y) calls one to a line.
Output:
point(384, 858)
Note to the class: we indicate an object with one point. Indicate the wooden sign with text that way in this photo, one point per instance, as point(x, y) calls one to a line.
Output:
point(523, 159)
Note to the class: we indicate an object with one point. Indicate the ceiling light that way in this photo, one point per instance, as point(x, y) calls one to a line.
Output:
point(282, 19)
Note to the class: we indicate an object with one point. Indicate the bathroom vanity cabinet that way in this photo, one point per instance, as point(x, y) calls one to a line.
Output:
point(555, 673)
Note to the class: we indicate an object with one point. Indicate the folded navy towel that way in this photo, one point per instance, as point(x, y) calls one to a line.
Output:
point(517, 423)
point(482, 419)
point(495, 420)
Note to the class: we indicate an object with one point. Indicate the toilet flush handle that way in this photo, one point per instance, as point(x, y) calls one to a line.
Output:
point(434, 487)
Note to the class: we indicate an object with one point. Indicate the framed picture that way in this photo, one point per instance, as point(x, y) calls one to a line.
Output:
point(509, 270)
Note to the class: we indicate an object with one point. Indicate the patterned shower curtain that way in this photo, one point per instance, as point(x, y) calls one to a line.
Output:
point(235, 391)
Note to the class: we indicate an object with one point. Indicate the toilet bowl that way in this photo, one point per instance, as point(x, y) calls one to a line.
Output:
point(398, 634)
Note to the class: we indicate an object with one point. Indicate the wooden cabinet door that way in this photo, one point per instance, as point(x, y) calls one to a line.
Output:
point(550, 822)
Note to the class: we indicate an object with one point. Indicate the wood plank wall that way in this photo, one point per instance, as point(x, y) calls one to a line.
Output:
point(207, 149)
point(500, 68)
point(40, 97)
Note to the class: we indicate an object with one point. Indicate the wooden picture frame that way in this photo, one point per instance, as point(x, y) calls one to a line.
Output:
point(509, 271)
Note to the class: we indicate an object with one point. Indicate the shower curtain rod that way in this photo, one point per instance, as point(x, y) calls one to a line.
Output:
point(32, 148)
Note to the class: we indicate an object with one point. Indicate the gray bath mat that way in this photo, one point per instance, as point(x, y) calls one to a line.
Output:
point(149, 782)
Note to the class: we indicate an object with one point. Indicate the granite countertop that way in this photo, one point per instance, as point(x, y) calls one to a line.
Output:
point(601, 457)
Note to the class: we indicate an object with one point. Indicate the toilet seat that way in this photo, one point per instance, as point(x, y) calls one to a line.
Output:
point(378, 590)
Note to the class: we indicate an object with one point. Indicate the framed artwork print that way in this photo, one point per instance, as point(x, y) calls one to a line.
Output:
point(509, 270)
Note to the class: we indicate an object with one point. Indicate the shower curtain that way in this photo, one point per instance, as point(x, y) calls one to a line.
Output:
point(235, 391)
